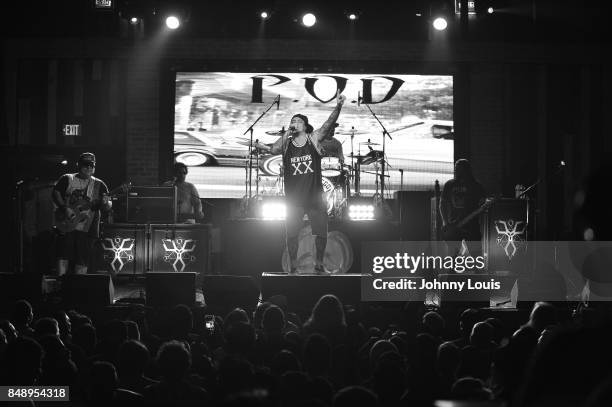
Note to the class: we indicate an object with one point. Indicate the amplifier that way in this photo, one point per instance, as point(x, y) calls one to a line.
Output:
point(151, 204)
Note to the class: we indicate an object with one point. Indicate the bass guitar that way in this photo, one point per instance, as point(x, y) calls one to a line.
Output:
point(454, 231)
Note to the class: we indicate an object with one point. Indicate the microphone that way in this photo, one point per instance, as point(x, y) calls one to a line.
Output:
point(277, 101)
point(359, 99)
point(292, 128)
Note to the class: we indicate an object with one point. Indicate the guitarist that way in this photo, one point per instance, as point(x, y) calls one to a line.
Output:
point(461, 196)
point(79, 198)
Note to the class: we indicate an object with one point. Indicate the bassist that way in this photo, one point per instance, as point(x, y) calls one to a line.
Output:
point(79, 198)
point(461, 196)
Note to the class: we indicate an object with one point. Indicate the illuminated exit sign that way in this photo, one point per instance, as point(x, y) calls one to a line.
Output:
point(104, 4)
point(71, 129)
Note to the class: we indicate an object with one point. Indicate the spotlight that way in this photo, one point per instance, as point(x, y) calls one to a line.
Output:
point(134, 20)
point(172, 22)
point(440, 24)
point(273, 210)
point(361, 212)
point(352, 16)
point(490, 10)
point(264, 15)
point(64, 162)
point(309, 19)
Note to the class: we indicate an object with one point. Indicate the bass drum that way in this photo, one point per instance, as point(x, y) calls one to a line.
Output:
point(338, 257)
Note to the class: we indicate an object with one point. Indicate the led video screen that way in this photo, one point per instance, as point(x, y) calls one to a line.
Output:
point(214, 110)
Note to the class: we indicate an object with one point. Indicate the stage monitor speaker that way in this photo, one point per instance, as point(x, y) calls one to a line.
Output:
point(180, 248)
point(303, 291)
point(121, 249)
point(414, 212)
point(228, 292)
point(91, 290)
point(464, 298)
point(20, 286)
point(170, 289)
point(151, 204)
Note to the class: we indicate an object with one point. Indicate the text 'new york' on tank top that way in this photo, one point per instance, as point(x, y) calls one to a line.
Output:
point(302, 167)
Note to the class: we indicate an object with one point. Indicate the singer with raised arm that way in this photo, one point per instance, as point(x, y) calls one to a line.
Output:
point(302, 151)
point(189, 206)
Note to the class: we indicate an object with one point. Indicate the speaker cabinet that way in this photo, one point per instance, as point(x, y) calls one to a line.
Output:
point(167, 289)
point(90, 290)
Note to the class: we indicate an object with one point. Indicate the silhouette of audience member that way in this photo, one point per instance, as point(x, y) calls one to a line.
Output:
point(317, 355)
point(57, 366)
point(469, 388)
point(355, 396)
point(327, 319)
point(133, 360)
point(389, 378)
point(9, 330)
point(103, 388)
point(46, 326)
point(434, 324)
point(181, 323)
point(468, 318)
point(174, 360)
point(85, 338)
point(482, 336)
point(64, 325)
point(133, 330)
point(22, 317)
point(542, 315)
point(112, 334)
point(449, 356)
point(22, 363)
point(239, 340)
point(284, 361)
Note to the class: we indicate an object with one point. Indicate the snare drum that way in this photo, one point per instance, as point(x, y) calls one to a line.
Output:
point(330, 166)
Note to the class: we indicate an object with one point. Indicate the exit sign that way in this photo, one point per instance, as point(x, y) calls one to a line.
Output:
point(71, 129)
point(104, 4)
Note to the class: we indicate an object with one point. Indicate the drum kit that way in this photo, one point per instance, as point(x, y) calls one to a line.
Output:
point(338, 177)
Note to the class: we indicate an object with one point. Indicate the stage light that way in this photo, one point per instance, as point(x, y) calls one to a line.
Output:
point(440, 24)
point(361, 212)
point(64, 162)
point(172, 22)
point(273, 210)
point(490, 10)
point(309, 19)
point(264, 15)
point(134, 20)
point(352, 16)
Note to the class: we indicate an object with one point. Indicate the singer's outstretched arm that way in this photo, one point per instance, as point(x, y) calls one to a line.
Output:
point(322, 132)
point(277, 146)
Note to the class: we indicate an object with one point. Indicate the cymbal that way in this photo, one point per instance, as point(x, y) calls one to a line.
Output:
point(369, 143)
point(349, 132)
point(274, 133)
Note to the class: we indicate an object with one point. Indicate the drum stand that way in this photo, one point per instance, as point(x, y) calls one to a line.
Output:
point(384, 155)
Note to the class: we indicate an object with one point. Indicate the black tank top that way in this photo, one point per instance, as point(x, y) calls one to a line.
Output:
point(303, 185)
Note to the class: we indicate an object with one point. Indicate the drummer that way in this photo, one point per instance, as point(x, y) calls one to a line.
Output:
point(331, 146)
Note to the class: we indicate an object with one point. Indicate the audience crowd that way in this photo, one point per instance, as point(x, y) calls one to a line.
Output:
point(271, 357)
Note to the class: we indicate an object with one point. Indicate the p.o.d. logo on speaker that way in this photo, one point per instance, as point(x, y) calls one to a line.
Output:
point(121, 252)
point(179, 252)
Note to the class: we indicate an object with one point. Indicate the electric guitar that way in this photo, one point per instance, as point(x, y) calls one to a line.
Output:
point(66, 220)
point(454, 231)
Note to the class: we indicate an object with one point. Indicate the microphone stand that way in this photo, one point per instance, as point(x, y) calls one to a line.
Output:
point(250, 129)
point(382, 172)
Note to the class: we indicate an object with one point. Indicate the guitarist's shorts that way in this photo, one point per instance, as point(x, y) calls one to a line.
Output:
point(75, 246)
